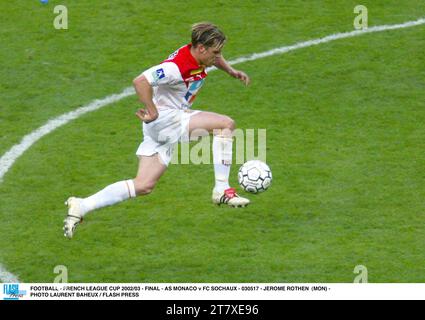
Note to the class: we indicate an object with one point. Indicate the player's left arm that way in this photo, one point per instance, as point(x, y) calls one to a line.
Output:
point(222, 64)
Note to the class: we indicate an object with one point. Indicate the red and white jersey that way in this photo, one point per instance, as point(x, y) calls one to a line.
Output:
point(177, 80)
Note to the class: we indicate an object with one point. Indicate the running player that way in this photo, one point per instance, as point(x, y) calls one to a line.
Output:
point(167, 92)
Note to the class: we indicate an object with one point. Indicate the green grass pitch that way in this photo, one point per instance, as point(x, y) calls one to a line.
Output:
point(345, 141)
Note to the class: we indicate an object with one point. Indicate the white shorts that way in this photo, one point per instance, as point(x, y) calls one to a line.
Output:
point(161, 136)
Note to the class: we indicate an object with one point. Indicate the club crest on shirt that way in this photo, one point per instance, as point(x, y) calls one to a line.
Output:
point(196, 71)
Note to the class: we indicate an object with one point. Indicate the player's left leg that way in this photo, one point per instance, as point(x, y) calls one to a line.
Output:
point(222, 127)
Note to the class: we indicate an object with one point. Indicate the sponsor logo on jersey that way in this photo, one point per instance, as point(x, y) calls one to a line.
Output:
point(173, 55)
point(193, 89)
point(194, 78)
point(193, 72)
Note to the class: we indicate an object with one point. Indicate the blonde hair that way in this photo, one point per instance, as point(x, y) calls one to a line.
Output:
point(207, 34)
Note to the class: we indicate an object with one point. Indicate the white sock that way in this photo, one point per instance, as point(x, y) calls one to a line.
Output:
point(222, 155)
point(112, 194)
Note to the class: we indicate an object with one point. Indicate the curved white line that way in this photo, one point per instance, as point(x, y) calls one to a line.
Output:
point(9, 158)
point(6, 276)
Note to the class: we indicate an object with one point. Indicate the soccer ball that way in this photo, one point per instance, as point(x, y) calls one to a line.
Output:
point(255, 176)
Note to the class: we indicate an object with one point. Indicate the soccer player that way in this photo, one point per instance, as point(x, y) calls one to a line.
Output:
point(167, 92)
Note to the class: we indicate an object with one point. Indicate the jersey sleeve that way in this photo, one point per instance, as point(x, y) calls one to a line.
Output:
point(166, 73)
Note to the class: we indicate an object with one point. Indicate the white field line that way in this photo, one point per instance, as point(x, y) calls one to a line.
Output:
point(9, 158)
point(7, 277)
point(332, 37)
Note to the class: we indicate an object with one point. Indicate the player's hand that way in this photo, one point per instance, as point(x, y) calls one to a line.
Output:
point(145, 116)
point(242, 76)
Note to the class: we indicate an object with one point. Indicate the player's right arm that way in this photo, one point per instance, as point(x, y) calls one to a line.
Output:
point(164, 75)
point(145, 93)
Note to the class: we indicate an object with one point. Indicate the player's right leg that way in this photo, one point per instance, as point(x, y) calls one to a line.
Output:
point(150, 170)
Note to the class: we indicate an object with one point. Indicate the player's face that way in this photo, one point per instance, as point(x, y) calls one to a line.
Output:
point(210, 55)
